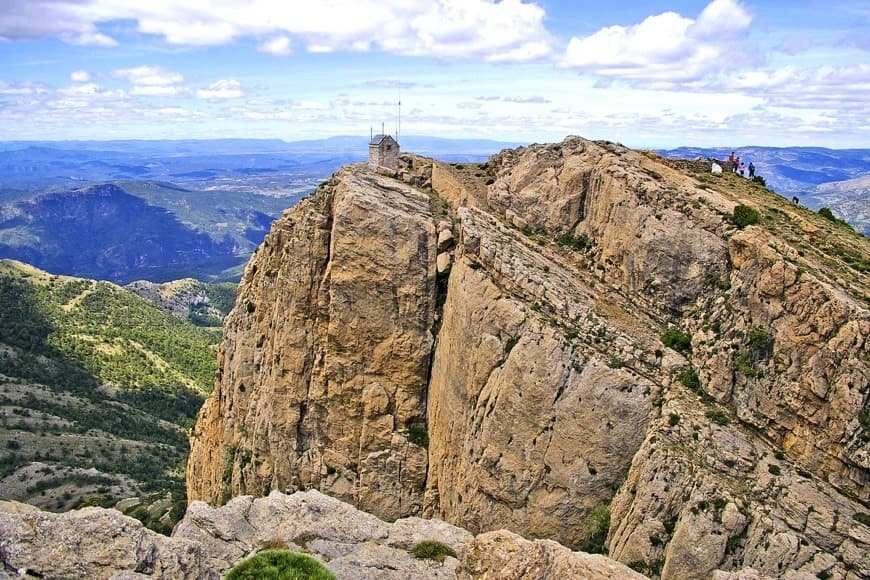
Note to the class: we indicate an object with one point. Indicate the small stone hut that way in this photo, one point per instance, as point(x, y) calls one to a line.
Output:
point(383, 151)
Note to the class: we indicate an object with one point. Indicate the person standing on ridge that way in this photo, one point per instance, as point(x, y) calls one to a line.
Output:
point(751, 170)
point(742, 169)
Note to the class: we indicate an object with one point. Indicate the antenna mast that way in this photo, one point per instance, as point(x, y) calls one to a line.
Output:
point(399, 114)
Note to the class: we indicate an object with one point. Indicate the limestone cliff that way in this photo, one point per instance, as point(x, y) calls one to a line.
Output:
point(547, 278)
point(325, 360)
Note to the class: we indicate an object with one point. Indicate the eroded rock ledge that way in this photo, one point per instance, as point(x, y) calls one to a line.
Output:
point(99, 543)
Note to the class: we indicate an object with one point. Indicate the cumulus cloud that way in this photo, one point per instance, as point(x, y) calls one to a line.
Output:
point(72, 21)
point(83, 90)
point(506, 30)
point(80, 76)
point(152, 81)
point(149, 76)
point(279, 46)
point(666, 46)
point(222, 89)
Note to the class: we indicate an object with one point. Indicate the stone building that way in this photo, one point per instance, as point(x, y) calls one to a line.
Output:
point(383, 151)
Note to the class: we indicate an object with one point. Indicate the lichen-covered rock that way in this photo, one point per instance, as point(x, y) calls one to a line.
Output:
point(354, 544)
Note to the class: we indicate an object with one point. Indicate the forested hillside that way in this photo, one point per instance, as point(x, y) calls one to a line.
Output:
point(94, 377)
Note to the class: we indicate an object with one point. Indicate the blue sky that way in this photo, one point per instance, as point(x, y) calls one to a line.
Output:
point(647, 74)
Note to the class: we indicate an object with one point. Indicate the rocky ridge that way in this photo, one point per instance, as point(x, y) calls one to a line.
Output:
point(101, 543)
point(483, 344)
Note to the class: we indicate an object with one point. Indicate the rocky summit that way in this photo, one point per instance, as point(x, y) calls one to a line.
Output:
point(576, 342)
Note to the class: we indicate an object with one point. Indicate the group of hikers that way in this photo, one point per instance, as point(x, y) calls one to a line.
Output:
point(740, 167)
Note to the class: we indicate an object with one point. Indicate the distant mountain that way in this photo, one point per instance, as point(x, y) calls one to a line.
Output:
point(849, 200)
point(165, 210)
point(802, 171)
point(97, 387)
point(258, 165)
point(137, 230)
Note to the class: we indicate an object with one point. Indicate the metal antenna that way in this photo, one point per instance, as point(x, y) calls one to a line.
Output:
point(399, 115)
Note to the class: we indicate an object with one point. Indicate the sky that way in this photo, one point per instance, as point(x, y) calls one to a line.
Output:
point(649, 73)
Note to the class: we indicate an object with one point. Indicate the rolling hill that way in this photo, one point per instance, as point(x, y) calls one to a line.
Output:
point(97, 387)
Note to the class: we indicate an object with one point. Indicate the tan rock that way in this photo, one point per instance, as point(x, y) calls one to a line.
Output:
point(539, 472)
point(506, 556)
point(445, 239)
point(93, 543)
point(323, 370)
point(442, 262)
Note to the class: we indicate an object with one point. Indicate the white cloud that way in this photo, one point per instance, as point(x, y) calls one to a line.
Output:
point(90, 91)
point(152, 81)
point(505, 30)
point(157, 91)
point(22, 88)
point(149, 76)
point(280, 46)
point(222, 89)
point(80, 76)
point(666, 46)
point(89, 38)
point(391, 84)
point(72, 21)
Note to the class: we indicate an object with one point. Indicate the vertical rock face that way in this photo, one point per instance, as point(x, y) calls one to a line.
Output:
point(547, 397)
point(323, 370)
point(534, 427)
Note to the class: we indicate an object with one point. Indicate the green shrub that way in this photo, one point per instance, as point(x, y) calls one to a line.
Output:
point(432, 550)
point(579, 243)
point(760, 343)
point(829, 215)
point(673, 419)
point(689, 378)
point(596, 542)
point(744, 216)
point(280, 565)
point(717, 416)
point(774, 469)
point(679, 341)
point(826, 213)
point(863, 518)
point(418, 435)
point(759, 180)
